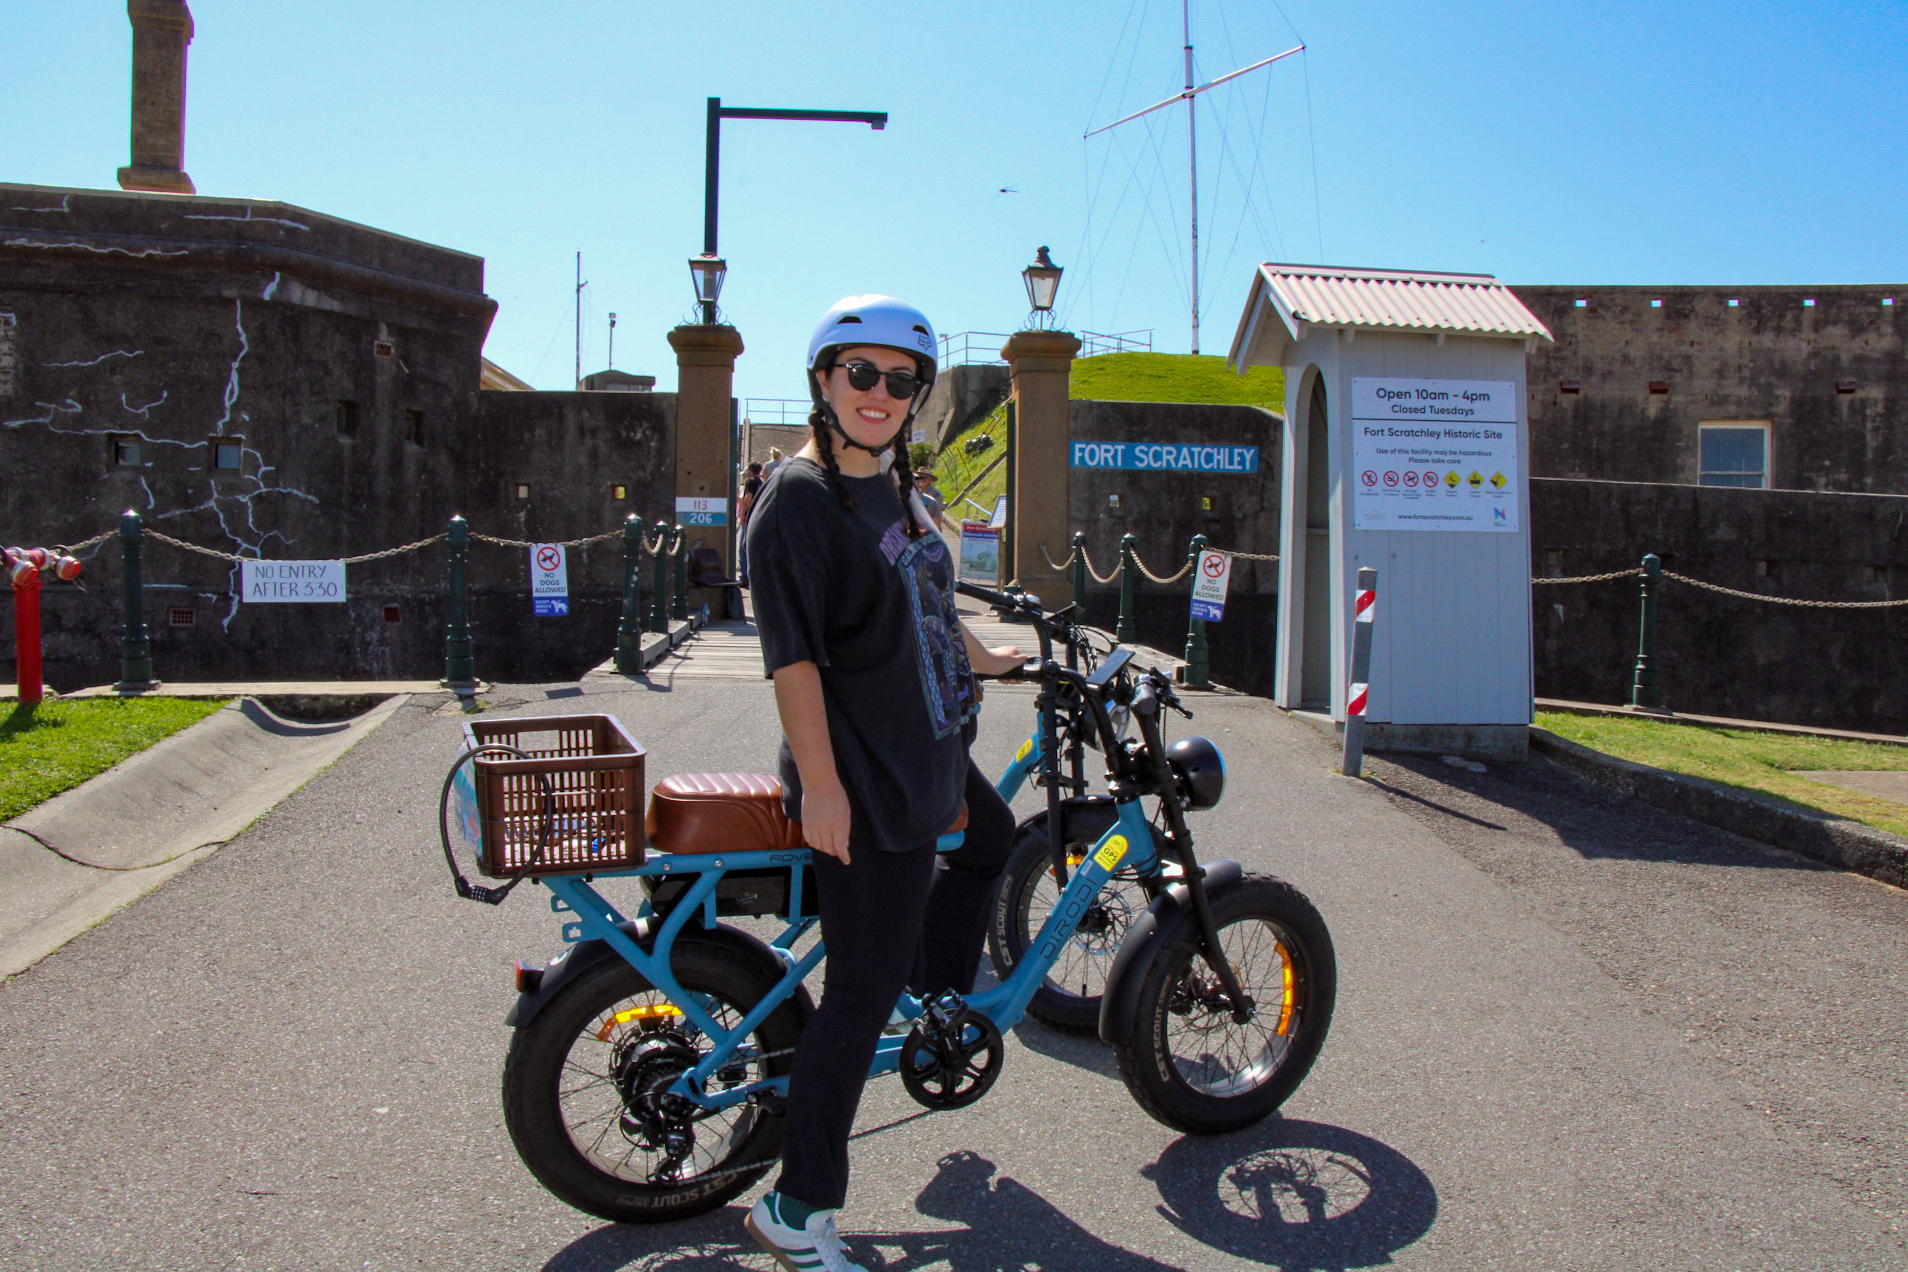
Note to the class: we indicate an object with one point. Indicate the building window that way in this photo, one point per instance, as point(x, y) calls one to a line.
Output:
point(1808, 304)
point(1734, 453)
point(523, 490)
point(414, 427)
point(1655, 304)
point(178, 617)
point(125, 450)
point(619, 492)
point(346, 418)
point(1112, 503)
point(384, 348)
point(1583, 303)
point(1659, 386)
point(392, 614)
point(227, 453)
point(1570, 386)
point(1733, 302)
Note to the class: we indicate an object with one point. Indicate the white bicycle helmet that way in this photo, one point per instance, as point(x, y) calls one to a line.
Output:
point(875, 320)
point(872, 320)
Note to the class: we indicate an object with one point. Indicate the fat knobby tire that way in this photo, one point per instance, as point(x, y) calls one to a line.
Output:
point(1145, 1061)
point(535, 1066)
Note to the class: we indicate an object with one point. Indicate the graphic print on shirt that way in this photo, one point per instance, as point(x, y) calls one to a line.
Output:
point(947, 681)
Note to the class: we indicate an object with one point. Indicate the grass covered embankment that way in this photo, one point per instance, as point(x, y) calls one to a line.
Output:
point(59, 744)
point(1767, 763)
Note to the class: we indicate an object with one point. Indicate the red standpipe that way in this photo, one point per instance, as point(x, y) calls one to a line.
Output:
point(26, 634)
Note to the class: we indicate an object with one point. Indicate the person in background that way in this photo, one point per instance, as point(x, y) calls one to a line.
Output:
point(775, 462)
point(751, 487)
point(930, 496)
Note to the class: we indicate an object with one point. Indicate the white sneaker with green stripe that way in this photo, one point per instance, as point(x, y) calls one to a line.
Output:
point(814, 1246)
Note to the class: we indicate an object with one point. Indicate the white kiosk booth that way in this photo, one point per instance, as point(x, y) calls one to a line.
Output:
point(1406, 449)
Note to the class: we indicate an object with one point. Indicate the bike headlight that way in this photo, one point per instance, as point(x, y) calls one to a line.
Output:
point(1200, 771)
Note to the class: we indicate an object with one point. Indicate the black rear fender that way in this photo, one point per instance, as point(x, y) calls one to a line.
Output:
point(582, 956)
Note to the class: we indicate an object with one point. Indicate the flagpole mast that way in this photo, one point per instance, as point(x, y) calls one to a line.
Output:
point(1192, 153)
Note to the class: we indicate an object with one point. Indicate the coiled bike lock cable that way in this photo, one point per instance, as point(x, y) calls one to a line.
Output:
point(476, 891)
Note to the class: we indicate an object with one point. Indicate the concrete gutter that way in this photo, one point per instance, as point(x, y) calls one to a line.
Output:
point(1836, 841)
point(75, 859)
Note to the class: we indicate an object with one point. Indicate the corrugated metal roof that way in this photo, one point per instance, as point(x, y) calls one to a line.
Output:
point(1400, 301)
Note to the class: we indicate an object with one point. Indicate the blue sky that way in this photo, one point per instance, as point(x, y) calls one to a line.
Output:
point(1555, 143)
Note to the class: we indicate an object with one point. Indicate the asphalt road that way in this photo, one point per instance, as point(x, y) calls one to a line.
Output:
point(1570, 1034)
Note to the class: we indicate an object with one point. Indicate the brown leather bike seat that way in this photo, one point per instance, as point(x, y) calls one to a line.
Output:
point(728, 812)
point(719, 812)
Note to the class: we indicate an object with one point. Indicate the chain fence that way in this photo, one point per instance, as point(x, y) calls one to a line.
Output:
point(673, 540)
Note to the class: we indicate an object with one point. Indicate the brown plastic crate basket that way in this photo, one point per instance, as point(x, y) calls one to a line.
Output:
point(595, 775)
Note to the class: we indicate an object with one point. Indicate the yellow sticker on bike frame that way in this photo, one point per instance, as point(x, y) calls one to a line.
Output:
point(1026, 748)
point(1110, 854)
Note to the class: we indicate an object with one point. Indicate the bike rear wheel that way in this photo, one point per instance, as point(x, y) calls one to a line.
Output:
point(1187, 1062)
point(583, 1088)
point(1068, 999)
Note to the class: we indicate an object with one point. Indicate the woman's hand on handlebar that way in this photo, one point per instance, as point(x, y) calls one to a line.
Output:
point(1001, 660)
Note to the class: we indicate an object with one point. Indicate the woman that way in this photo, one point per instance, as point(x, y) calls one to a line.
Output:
point(874, 683)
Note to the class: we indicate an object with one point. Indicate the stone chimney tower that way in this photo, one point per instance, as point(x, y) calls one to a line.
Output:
point(161, 31)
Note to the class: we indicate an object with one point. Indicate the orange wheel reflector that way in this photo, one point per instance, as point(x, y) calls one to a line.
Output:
point(1285, 975)
point(635, 1013)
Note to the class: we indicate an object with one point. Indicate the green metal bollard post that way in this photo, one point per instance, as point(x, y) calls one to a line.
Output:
point(1646, 691)
point(135, 648)
point(1198, 655)
point(1126, 633)
point(659, 595)
point(629, 632)
point(681, 607)
point(1079, 570)
point(460, 667)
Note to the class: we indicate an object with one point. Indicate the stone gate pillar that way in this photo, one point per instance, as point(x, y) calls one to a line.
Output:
point(161, 31)
point(705, 383)
point(1041, 362)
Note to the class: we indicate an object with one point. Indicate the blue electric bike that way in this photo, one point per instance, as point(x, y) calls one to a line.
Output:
point(647, 1077)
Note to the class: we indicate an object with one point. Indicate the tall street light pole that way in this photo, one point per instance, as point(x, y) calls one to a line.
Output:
point(876, 119)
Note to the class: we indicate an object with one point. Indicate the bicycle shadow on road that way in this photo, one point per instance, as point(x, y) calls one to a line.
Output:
point(1300, 1196)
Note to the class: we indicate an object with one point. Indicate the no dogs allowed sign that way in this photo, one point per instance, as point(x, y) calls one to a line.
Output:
point(1211, 577)
point(549, 580)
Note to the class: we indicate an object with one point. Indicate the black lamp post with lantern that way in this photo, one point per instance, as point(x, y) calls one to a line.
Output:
point(1043, 285)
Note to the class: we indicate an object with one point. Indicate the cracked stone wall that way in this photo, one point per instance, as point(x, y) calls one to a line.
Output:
point(1823, 364)
point(267, 381)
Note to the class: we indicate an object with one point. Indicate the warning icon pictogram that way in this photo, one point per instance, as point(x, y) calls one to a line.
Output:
point(549, 556)
point(1476, 479)
point(1371, 478)
point(1391, 479)
point(1451, 479)
point(1497, 480)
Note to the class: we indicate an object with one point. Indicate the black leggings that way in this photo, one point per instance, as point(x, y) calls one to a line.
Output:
point(891, 921)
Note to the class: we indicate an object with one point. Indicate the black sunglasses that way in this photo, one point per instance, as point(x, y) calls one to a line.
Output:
point(863, 376)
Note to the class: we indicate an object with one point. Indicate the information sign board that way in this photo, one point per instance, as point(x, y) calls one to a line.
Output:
point(980, 553)
point(549, 580)
point(1434, 455)
point(694, 511)
point(264, 582)
point(1211, 577)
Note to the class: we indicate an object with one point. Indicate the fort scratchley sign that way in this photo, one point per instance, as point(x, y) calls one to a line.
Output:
point(1435, 455)
point(1164, 457)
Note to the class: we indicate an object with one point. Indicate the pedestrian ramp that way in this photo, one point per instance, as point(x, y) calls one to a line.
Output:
point(719, 651)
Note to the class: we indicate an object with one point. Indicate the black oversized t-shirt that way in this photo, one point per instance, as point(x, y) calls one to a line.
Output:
point(874, 610)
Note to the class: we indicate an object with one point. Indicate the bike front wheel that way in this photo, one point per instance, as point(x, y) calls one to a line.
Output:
point(585, 1088)
point(1187, 1061)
